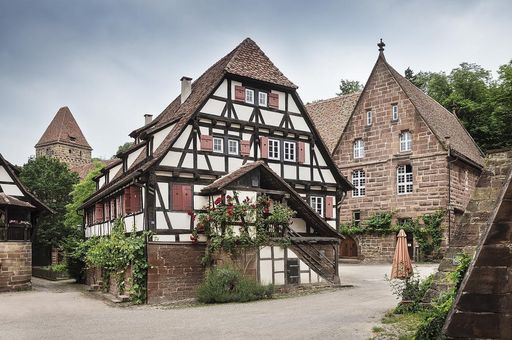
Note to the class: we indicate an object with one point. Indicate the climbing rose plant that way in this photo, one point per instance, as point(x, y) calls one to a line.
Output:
point(259, 222)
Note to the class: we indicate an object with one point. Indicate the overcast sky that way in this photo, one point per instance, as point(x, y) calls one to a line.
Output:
point(113, 61)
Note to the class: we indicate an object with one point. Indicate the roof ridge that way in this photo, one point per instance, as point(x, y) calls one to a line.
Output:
point(320, 101)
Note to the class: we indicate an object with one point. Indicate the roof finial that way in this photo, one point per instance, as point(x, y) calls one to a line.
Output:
point(381, 45)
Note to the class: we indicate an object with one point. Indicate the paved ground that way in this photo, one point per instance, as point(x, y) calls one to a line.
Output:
point(63, 311)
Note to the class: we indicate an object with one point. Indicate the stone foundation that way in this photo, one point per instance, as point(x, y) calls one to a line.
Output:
point(175, 271)
point(94, 276)
point(15, 266)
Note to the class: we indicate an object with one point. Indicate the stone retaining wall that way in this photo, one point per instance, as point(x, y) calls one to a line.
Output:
point(15, 266)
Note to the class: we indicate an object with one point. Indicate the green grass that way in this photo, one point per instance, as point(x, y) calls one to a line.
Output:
point(398, 326)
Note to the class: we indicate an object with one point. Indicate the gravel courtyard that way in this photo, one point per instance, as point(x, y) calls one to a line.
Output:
point(63, 311)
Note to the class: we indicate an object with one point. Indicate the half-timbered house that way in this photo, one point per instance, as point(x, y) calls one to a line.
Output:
point(240, 126)
point(19, 210)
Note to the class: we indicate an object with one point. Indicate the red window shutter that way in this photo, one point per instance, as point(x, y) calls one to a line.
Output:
point(264, 147)
point(127, 201)
point(98, 214)
point(135, 198)
point(302, 152)
point(329, 202)
point(245, 147)
point(206, 143)
point(177, 197)
point(187, 197)
point(273, 100)
point(239, 93)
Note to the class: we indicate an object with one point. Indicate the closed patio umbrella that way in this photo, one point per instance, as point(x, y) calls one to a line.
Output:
point(402, 267)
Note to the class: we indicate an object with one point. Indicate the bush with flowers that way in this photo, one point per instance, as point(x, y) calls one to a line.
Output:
point(232, 225)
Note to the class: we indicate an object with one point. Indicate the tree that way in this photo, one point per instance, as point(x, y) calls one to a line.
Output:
point(123, 148)
point(81, 191)
point(51, 181)
point(349, 86)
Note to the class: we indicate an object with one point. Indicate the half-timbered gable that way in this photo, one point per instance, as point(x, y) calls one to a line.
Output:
point(240, 111)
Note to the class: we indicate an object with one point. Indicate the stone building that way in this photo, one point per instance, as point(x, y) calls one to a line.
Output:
point(403, 152)
point(64, 140)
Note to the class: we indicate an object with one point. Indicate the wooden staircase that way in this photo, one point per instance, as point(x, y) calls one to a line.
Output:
point(315, 259)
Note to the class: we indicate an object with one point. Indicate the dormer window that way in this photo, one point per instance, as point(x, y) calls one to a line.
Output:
point(73, 139)
point(394, 112)
point(262, 98)
point(249, 96)
point(369, 118)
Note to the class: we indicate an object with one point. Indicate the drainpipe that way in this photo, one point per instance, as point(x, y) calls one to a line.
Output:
point(447, 138)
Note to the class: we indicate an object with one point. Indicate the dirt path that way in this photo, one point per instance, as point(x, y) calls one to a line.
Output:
point(58, 311)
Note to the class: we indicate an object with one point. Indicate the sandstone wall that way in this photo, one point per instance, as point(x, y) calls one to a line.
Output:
point(175, 271)
point(15, 266)
point(70, 155)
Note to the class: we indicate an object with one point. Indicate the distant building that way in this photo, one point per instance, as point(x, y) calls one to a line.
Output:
point(64, 140)
point(403, 152)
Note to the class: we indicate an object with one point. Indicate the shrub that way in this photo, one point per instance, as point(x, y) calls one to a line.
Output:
point(413, 289)
point(226, 284)
point(58, 268)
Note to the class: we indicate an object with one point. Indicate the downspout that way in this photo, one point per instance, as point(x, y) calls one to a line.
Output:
point(450, 187)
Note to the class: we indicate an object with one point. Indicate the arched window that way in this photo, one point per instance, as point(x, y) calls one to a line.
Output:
point(404, 179)
point(358, 148)
point(405, 141)
point(359, 182)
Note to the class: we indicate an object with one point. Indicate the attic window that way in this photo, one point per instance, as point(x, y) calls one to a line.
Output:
point(394, 112)
point(73, 139)
point(249, 96)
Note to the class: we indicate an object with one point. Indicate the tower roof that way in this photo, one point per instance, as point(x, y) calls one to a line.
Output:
point(63, 129)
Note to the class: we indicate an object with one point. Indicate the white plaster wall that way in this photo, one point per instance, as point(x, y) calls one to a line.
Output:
point(298, 225)
point(182, 139)
point(222, 90)
point(213, 107)
point(164, 191)
point(328, 177)
point(266, 271)
point(113, 172)
point(4, 176)
point(159, 137)
point(292, 106)
point(179, 220)
point(243, 112)
point(234, 164)
point(304, 173)
point(188, 161)
point(133, 156)
point(290, 172)
point(271, 118)
point(171, 159)
point(101, 181)
point(12, 190)
point(299, 123)
point(217, 163)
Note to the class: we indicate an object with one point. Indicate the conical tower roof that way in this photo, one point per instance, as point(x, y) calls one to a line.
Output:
point(63, 129)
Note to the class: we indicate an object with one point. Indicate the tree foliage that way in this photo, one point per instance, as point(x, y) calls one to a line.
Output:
point(483, 104)
point(123, 148)
point(81, 191)
point(349, 86)
point(51, 181)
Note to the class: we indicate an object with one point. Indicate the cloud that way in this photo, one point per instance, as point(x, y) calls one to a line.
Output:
point(112, 62)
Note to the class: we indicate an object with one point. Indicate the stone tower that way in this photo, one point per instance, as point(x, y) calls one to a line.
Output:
point(64, 140)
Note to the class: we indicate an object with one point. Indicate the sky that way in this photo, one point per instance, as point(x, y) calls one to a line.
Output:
point(111, 62)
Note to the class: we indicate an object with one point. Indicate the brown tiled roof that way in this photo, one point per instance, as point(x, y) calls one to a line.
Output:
point(331, 115)
point(63, 129)
point(9, 200)
point(221, 182)
point(83, 169)
point(442, 122)
point(181, 113)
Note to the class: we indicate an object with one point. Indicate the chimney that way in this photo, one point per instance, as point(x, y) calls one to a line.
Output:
point(148, 118)
point(186, 88)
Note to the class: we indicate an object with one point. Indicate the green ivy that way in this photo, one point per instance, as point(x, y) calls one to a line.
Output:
point(261, 223)
point(428, 234)
point(113, 254)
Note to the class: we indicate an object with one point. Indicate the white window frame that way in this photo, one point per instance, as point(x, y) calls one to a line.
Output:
point(405, 141)
point(273, 149)
point(369, 117)
point(289, 151)
point(249, 96)
point(394, 112)
point(214, 146)
point(233, 143)
point(317, 203)
point(262, 99)
point(358, 149)
point(359, 182)
point(404, 179)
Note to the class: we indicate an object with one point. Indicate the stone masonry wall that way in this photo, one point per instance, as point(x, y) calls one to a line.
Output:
point(70, 155)
point(15, 266)
point(175, 271)
point(93, 276)
point(375, 248)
